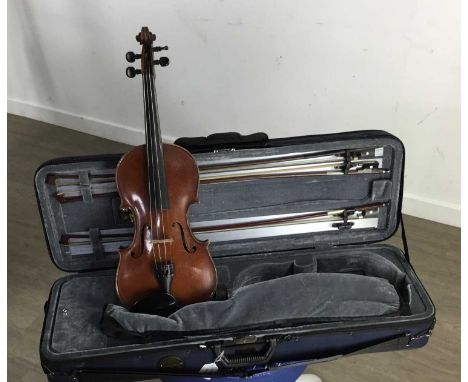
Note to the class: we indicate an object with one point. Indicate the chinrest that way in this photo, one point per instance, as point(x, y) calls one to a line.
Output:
point(161, 304)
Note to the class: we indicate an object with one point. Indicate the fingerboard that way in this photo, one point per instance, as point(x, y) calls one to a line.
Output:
point(157, 187)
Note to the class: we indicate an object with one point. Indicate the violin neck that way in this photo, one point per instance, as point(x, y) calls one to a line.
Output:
point(154, 147)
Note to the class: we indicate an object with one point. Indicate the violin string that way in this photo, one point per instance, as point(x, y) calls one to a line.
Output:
point(150, 164)
point(155, 114)
point(148, 160)
point(158, 202)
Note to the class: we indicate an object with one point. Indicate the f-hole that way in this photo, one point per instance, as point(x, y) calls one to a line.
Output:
point(184, 240)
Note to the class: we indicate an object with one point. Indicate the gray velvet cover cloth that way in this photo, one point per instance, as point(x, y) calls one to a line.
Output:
point(298, 297)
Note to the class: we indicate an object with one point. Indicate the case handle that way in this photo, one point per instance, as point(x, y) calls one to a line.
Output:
point(223, 141)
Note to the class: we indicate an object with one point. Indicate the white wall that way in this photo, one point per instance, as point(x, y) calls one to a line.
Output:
point(283, 67)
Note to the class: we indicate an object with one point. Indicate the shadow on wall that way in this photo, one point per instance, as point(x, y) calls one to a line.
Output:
point(33, 51)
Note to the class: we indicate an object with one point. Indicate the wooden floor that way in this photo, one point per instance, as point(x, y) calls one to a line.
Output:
point(435, 254)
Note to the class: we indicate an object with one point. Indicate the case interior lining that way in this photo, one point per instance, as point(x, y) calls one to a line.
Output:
point(236, 200)
point(344, 284)
point(300, 297)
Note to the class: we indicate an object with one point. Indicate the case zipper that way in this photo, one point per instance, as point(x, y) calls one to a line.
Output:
point(422, 335)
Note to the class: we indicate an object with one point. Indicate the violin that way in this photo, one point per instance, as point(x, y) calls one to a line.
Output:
point(164, 266)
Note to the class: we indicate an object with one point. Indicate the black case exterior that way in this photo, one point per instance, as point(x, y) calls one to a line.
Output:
point(245, 352)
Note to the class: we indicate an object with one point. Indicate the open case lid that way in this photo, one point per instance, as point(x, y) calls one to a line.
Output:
point(84, 229)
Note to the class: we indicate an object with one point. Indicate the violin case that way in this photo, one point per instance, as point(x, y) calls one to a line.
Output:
point(358, 294)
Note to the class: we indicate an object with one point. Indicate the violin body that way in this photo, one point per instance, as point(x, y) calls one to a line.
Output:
point(162, 237)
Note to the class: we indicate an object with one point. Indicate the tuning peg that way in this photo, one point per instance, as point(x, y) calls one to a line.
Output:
point(131, 57)
point(159, 48)
point(132, 72)
point(163, 61)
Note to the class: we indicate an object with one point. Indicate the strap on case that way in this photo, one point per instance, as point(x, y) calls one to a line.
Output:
point(403, 239)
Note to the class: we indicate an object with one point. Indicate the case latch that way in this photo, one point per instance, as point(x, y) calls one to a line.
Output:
point(246, 352)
